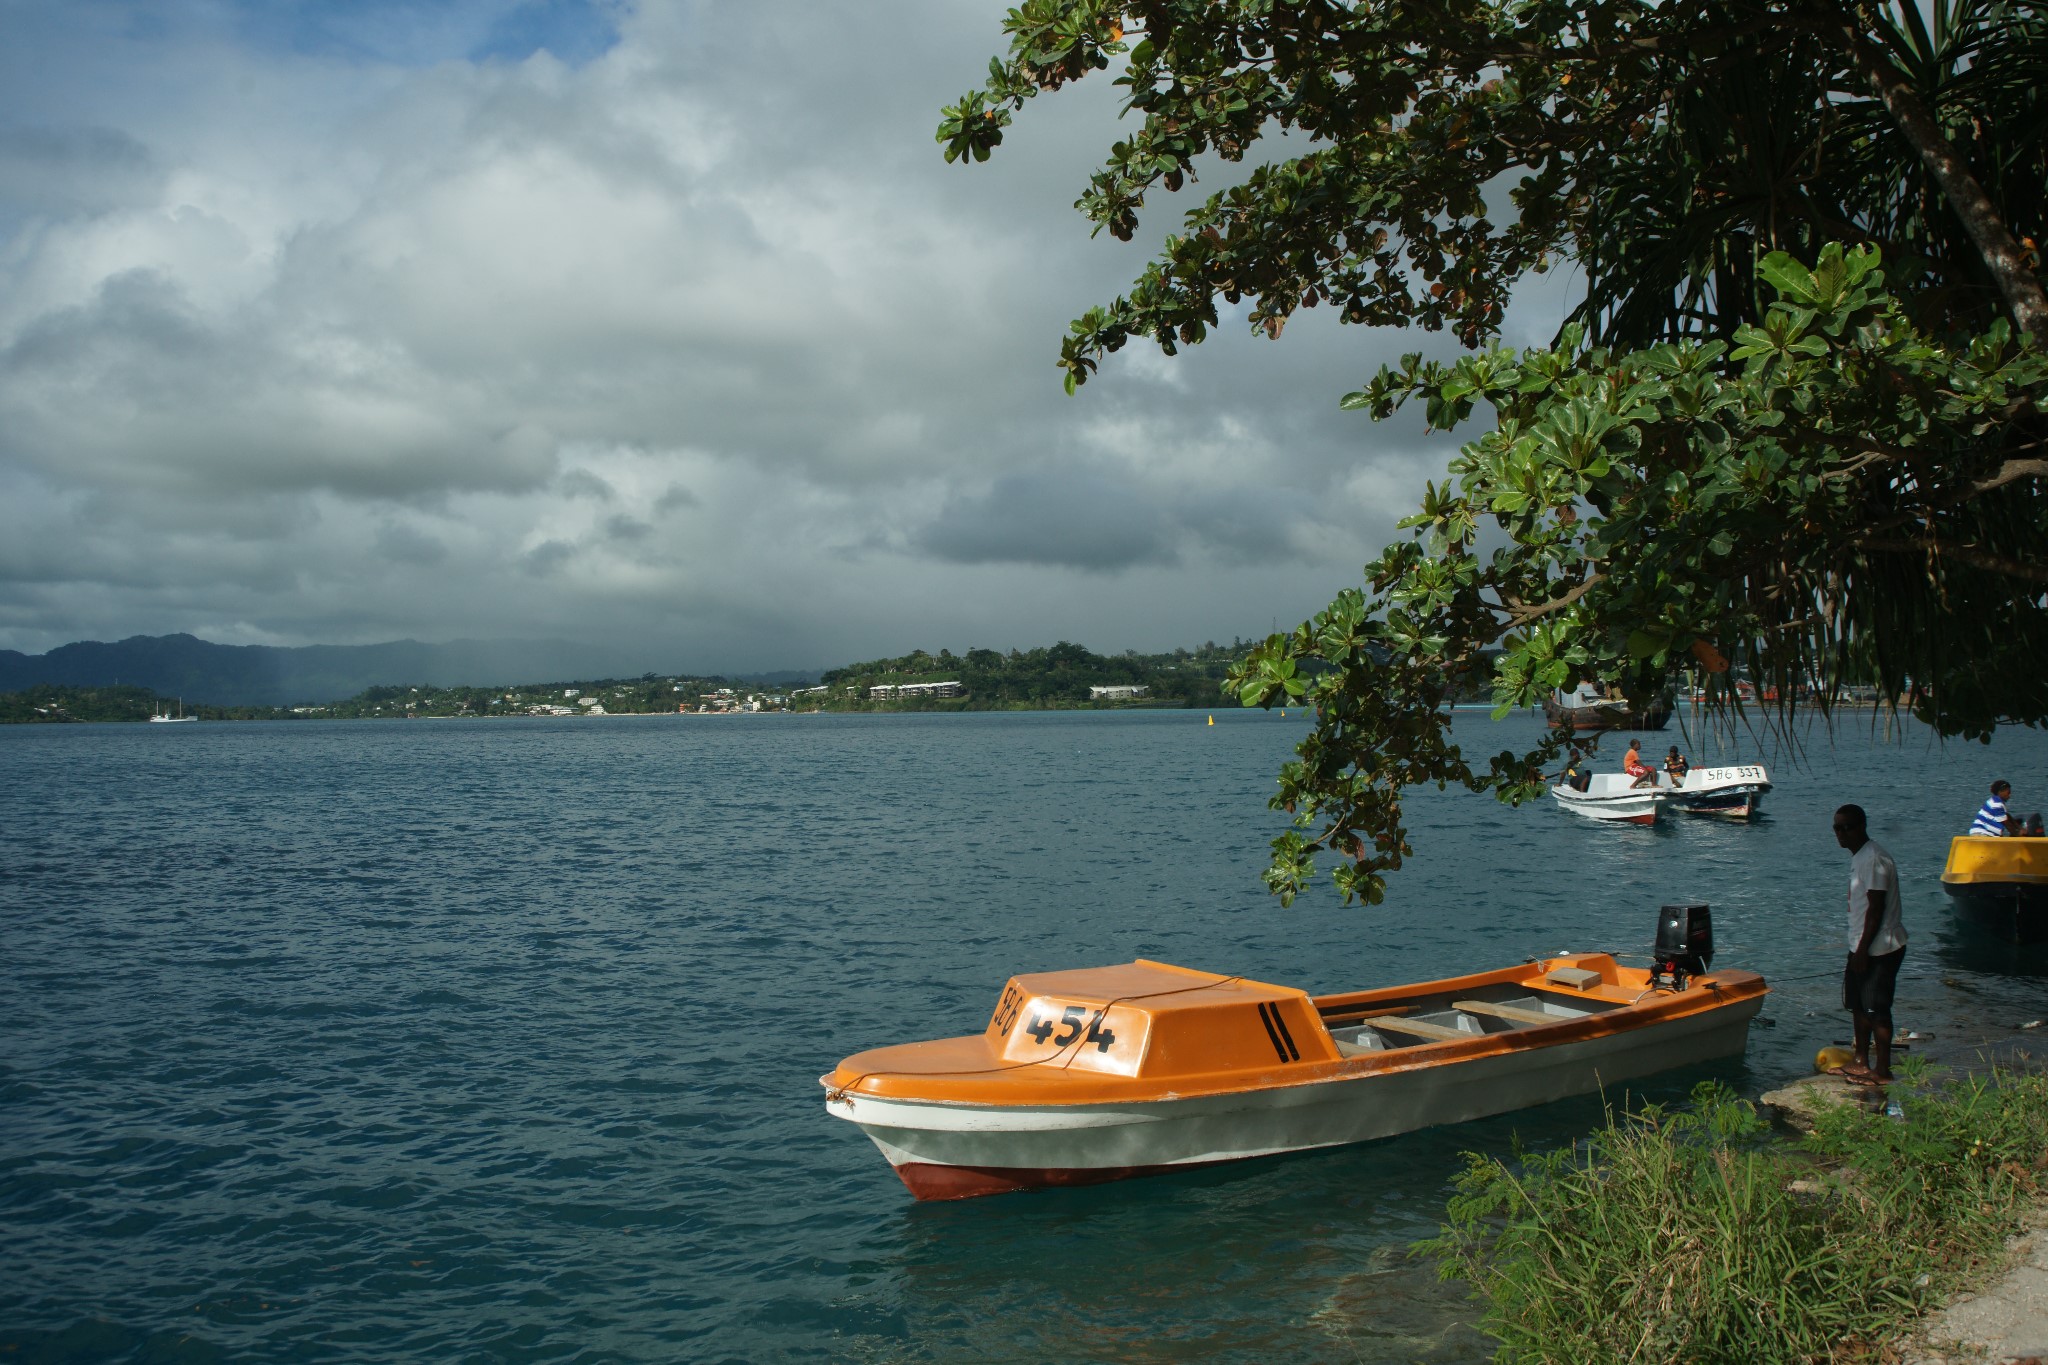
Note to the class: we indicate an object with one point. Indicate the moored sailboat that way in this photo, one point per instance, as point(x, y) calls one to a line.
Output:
point(1586, 710)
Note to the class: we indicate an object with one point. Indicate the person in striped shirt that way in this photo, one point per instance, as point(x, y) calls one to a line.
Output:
point(1993, 820)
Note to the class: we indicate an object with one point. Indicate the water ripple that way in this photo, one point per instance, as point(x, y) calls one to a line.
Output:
point(496, 1041)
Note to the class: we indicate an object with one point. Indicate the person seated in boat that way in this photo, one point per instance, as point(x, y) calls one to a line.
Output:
point(2034, 828)
point(1993, 819)
point(1675, 763)
point(1632, 764)
point(1576, 774)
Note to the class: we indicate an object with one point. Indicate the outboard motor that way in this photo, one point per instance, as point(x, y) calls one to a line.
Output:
point(1685, 944)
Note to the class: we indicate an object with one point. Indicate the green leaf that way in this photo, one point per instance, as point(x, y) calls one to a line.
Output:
point(1643, 645)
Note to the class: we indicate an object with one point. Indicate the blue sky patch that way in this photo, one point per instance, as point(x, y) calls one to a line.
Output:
point(411, 33)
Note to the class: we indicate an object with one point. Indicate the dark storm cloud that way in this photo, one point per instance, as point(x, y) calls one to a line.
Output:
point(64, 170)
point(581, 483)
point(1099, 522)
point(1072, 518)
point(406, 544)
point(546, 558)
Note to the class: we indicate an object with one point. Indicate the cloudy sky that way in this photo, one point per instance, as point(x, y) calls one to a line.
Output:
point(661, 326)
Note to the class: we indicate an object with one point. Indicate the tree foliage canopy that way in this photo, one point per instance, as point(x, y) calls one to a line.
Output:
point(1798, 421)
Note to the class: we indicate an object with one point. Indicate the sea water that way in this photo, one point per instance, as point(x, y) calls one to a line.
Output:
point(499, 1040)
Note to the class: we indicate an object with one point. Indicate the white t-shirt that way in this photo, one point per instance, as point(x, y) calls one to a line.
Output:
point(1872, 869)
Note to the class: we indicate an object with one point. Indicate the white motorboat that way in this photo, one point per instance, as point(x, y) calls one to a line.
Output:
point(1734, 793)
point(1613, 796)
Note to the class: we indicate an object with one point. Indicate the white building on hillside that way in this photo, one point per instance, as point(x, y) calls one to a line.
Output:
point(885, 691)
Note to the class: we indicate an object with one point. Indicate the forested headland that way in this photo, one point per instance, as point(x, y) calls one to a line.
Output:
point(1046, 678)
point(1059, 676)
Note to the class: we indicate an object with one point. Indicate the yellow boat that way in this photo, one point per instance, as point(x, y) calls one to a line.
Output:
point(1108, 1072)
point(1999, 884)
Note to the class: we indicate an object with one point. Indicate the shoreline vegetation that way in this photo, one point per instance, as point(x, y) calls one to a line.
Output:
point(1064, 676)
point(1695, 1233)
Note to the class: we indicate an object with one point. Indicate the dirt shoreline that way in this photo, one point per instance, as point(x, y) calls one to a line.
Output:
point(2005, 1321)
point(2003, 1318)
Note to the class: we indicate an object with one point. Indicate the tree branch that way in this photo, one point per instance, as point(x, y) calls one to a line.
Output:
point(2010, 471)
point(1962, 554)
point(1521, 616)
point(1993, 239)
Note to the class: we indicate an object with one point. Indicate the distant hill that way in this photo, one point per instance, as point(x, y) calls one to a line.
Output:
point(268, 675)
point(1066, 674)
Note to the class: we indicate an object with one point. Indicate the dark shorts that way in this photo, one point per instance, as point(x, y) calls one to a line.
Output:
point(1870, 990)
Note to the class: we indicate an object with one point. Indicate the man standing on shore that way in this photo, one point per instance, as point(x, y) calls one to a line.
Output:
point(1877, 944)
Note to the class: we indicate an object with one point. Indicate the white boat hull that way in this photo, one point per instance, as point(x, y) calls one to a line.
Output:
point(1732, 793)
point(940, 1148)
point(1612, 796)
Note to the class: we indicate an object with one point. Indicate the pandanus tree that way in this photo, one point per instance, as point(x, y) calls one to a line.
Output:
point(1797, 423)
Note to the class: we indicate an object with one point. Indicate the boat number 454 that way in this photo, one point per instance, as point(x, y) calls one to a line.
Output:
point(1057, 1030)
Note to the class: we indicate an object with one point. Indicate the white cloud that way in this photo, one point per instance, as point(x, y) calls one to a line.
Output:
point(326, 329)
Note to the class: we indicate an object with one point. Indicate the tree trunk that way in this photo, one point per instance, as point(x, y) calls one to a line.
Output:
point(1980, 218)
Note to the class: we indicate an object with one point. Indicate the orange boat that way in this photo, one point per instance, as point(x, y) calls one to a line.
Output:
point(1108, 1072)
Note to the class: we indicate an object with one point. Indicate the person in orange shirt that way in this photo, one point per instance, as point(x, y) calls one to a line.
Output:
point(1632, 764)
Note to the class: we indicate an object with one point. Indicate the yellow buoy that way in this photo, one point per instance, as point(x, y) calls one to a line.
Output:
point(1212, 720)
point(1828, 1058)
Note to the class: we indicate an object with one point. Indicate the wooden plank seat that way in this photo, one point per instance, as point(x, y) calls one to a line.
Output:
point(1514, 1014)
point(1339, 1018)
point(1435, 1033)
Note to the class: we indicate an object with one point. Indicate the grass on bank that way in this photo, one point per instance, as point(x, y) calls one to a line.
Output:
point(1693, 1235)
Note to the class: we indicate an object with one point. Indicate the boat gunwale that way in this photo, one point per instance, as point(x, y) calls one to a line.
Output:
point(1994, 878)
point(1582, 800)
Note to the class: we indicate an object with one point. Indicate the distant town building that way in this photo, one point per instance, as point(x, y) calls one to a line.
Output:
point(885, 691)
point(1116, 692)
